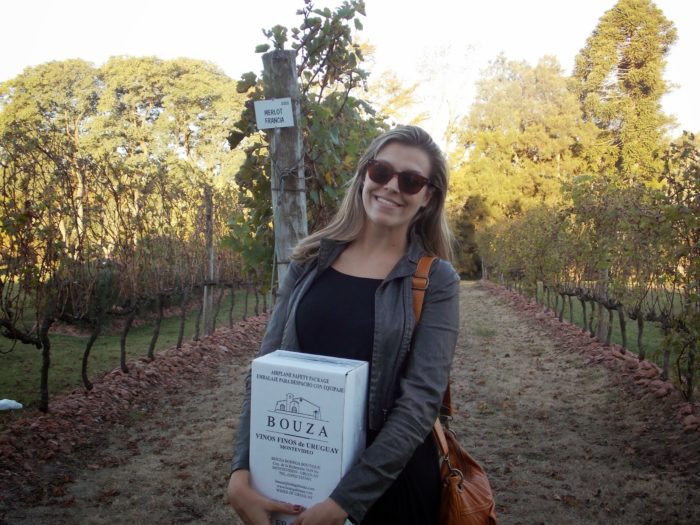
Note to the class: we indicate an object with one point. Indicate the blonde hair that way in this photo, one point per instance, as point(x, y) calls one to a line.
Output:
point(430, 223)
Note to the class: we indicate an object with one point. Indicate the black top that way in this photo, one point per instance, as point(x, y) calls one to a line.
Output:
point(336, 316)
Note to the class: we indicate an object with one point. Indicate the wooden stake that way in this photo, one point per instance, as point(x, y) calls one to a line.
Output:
point(208, 297)
point(287, 159)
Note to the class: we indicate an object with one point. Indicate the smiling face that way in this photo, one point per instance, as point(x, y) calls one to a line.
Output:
point(385, 205)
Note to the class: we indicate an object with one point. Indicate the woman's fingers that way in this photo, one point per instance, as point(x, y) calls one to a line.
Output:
point(259, 512)
point(283, 508)
point(328, 512)
point(250, 505)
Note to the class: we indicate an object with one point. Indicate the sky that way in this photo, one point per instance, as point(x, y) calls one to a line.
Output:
point(442, 44)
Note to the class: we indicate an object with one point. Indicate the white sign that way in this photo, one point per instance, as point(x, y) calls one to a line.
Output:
point(274, 113)
point(307, 425)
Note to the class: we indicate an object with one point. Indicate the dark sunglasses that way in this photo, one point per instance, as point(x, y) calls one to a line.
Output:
point(410, 182)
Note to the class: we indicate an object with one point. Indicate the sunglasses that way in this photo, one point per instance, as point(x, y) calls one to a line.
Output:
point(410, 182)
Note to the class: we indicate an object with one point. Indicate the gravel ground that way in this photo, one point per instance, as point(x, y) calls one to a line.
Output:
point(563, 441)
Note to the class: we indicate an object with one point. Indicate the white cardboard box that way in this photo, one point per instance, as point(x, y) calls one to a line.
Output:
point(307, 425)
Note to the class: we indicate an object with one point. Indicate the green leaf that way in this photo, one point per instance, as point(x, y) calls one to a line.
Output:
point(334, 136)
point(331, 192)
point(247, 81)
point(262, 48)
point(279, 36)
point(358, 24)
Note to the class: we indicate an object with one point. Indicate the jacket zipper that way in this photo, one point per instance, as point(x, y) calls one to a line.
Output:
point(401, 356)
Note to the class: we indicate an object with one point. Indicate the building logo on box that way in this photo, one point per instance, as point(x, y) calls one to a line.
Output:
point(298, 406)
point(293, 413)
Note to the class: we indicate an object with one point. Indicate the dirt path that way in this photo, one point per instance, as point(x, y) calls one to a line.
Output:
point(561, 441)
point(170, 465)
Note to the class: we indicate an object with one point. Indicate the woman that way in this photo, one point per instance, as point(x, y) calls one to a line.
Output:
point(348, 290)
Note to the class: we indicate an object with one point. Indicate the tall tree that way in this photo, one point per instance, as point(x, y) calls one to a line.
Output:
point(618, 78)
point(523, 137)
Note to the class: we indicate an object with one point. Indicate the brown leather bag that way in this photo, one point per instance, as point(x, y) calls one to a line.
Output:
point(466, 497)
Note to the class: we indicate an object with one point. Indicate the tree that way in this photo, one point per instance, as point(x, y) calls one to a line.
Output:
point(618, 78)
point(337, 125)
point(395, 101)
point(681, 214)
point(103, 172)
point(523, 137)
point(164, 127)
point(474, 212)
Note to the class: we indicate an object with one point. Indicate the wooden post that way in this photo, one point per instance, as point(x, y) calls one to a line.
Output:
point(287, 159)
point(207, 300)
point(602, 293)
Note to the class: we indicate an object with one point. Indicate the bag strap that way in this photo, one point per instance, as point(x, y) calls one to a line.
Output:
point(441, 440)
point(419, 284)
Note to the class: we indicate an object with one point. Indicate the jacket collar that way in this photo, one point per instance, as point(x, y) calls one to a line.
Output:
point(330, 249)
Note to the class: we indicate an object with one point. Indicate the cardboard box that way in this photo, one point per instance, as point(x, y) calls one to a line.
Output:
point(307, 425)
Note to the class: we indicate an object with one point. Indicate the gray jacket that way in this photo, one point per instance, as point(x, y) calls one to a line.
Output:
point(409, 371)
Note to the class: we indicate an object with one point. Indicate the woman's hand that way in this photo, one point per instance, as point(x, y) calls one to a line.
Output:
point(328, 512)
point(252, 507)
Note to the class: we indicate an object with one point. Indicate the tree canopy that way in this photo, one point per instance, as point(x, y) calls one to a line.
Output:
point(109, 164)
point(618, 79)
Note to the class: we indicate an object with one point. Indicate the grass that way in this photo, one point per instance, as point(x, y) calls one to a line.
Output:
point(135, 416)
point(613, 395)
point(20, 368)
point(651, 338)
point(484, 332)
